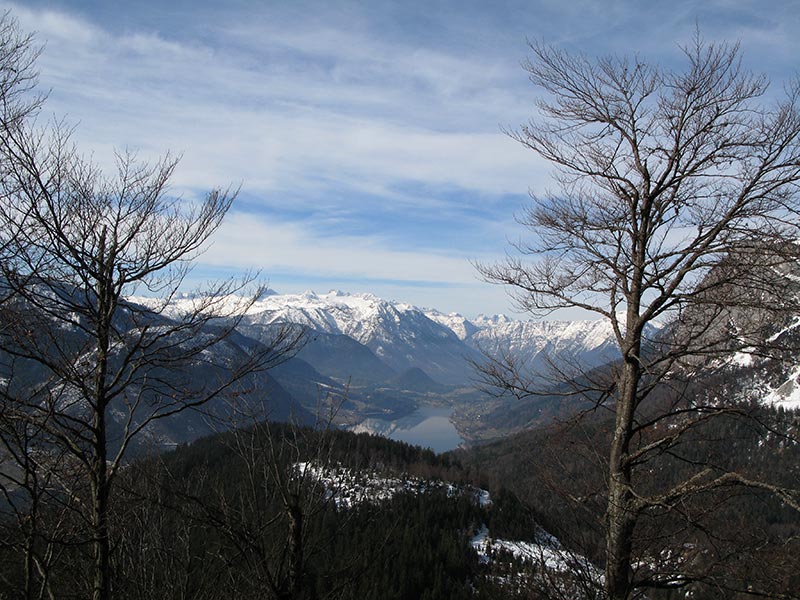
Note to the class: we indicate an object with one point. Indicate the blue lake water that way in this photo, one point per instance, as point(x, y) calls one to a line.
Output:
point(428, 426)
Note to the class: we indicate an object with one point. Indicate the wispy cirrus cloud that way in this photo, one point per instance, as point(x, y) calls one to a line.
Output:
point(366, 136)
point(317, 105)
point(357, 134)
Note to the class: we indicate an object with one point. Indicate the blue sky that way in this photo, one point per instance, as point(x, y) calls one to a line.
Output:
point(367, 136)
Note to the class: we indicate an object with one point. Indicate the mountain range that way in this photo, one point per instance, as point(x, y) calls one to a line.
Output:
point(365, 357)
point(402, 336)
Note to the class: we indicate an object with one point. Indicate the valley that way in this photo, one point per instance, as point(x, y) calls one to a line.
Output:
point(366, 358)
point(173, 429)
point(367, 364)
point(460, 489)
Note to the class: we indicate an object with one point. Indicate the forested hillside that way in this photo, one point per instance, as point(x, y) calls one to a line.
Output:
point(242, 514)
point(726, 542)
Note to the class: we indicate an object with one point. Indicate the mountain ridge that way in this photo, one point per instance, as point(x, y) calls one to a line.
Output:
point(443, 345)
point(361, 349)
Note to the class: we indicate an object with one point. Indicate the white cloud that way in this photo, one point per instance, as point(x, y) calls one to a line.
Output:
point(318, 108)
point(277, 126)
point(293, 260)
point(249, 241)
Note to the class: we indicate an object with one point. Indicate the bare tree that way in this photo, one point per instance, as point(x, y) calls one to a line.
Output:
point(93, 371)
point(677, 203)
point(18, 76)
point(266, 520)
point(37, 521)
point(23, 486)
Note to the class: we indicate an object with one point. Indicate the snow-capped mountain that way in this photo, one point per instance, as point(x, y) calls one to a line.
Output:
point(399, 334)
point(367, 319)
point(533, 343)
point(402, 336)
point(367, 339)
point(442, 345)
point(384, 359)
point(458, 324)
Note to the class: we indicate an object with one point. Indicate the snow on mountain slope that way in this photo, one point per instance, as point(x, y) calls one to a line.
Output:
point(589, 343)
point(458, 324)
point(786, 394)
point(404, 336)
point(348, 487)
point(773, 381)
point(547, 553)
point(363, 317)
point(585, 343)
point(590, 334)
point(399, 334)
point(386, 338)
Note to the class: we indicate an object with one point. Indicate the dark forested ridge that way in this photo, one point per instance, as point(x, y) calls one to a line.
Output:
point(729, 544)
point(234, 516)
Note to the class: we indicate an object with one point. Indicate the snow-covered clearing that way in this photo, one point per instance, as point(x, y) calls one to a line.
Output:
point(349, 487)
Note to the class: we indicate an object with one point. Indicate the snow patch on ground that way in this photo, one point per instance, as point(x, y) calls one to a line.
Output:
point(743, 358)
point(547, 553)
point(348, 487)
point(787, 394)
point(793, 325)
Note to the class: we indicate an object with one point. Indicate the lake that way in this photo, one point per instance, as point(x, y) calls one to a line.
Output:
point(428, 426)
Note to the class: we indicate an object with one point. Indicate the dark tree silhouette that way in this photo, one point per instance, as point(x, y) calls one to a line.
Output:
point(92, 370)
point(678, 204)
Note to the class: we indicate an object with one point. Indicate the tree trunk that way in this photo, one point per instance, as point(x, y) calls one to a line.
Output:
point(29, 563)
point(101, 546)
point(101, 486)
point(620, 513)
point(620, 526)
point(296, 579)
point(101, 491)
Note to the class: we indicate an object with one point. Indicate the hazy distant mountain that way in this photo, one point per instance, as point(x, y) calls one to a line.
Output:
point(255, 395)
point(416, 380)
point(340, 356)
